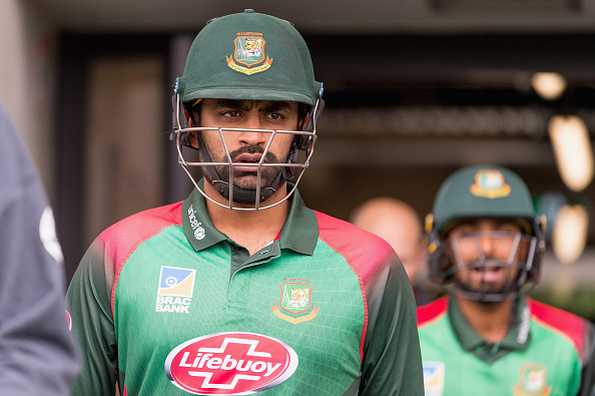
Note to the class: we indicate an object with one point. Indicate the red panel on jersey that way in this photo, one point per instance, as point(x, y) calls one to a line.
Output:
point(123, 237)
point(365, 253)
point(570, 325)
point(431, 311)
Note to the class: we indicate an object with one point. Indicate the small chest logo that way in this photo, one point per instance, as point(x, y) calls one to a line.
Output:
point(230, 364)
point(249, 53)
point(295, 305)
point(176, 286)
point(433, 378)
point(532, 381)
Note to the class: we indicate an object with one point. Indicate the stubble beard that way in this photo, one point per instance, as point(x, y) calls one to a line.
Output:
point(249, 180)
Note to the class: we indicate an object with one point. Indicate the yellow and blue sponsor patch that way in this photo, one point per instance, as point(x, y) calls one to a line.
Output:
point(174, 281)
point(433, 378)
point(176, 287)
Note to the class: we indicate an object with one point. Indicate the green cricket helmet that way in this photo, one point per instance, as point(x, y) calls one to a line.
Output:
point(485, 192)
point(249, 56)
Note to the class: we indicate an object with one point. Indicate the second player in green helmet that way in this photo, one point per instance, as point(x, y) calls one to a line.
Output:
point(486, 244)
point(239, 60)
point(485, 238)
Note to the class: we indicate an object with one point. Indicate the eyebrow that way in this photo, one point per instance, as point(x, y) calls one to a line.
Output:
point(249, 104)
point(496, 223)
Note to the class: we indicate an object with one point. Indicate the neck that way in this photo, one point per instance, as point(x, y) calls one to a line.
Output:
point(252, 229)
point(490, 321)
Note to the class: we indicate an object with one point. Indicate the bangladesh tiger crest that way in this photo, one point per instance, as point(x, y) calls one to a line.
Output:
point(249, 53)
point(532, 381)
point(295, 305)
point(490, 183)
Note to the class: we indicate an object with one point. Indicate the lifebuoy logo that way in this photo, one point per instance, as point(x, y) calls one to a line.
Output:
point(230, 364)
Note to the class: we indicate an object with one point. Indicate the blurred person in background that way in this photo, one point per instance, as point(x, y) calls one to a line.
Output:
point(487, 336)
point(37, 356)
point(241, 287)
point(398, 224)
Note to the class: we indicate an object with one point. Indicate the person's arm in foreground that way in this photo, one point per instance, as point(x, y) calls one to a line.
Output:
point(37, 356)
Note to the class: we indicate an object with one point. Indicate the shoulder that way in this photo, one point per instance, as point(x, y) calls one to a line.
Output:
point(566, 324)
point(366, 253)
point(116, 244)
point(428, 313)
point(132, 230)
point(349, 238)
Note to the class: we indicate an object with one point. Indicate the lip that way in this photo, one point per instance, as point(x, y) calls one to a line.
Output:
point(246, 157)
point(489, 275)
point(488, 269)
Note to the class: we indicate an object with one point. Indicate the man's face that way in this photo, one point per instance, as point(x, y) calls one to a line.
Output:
point(486, 254)
point(247, 146)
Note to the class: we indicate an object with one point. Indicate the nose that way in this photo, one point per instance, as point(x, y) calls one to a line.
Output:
point(251, 138)
point(486, 243)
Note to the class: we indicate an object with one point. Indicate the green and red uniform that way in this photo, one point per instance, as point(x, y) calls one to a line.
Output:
point(334, 300)
point(546, 352)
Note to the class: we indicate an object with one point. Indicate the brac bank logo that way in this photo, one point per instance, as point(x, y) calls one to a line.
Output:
point(230, 364)
point(176, 286)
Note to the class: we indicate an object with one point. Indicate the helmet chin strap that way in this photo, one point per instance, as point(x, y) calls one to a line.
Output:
point(240, 195)
point(483, 296)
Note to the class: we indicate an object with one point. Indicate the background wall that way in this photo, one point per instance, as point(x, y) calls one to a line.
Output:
point(27, 69)
point(414, 90)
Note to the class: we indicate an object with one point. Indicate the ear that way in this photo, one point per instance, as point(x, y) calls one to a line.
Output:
point(188, 117)
point(421, 252)
point(193, 140)
point(301, 121)
point(190, 139)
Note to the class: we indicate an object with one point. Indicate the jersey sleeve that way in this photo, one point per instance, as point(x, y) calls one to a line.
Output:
point(89, 297)
point(587, 385)
point(392, 357)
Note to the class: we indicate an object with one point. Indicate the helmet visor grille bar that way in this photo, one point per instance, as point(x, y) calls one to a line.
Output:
point(253, 171)
point(490, 265)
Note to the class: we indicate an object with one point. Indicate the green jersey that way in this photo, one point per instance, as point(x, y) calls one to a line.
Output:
point(164, 304)
point(546, 352)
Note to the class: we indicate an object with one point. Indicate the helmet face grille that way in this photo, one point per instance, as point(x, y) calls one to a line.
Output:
point(271, 173)
point(489, 266)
